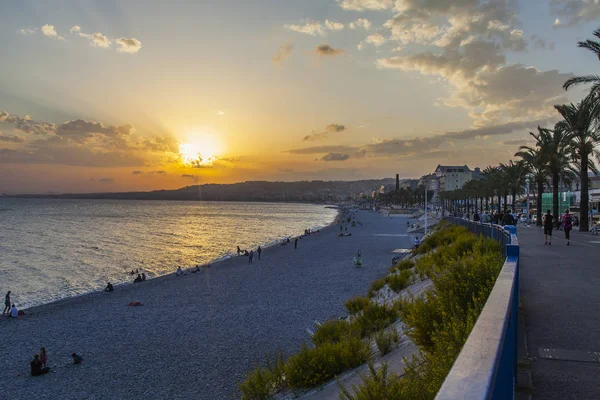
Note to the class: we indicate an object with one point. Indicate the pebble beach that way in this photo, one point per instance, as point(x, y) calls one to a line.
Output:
point(197, 335)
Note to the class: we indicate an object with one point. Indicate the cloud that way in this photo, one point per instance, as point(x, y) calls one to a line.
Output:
point(159, 172)
point(541, 44)
point(85, 143)
point(96, 39)
point(331, 128)
point(192, 177)
point(75, 29)
point(574, 12)
point(323, 150)
point(106, 180)
point(518, 142)
point(11, 138)
point(334, 26)
point(131, 45)
point(335, 157)
point(220, 113)
point(362, 5)
point(26, 31)
point(137, 172)
point(361, 23)
point(48, 30)
point(284, 51)
point(327, 50)
point(312, 28)
point(376, 39)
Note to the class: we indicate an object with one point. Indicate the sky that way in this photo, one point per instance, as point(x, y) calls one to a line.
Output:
point(107, 95)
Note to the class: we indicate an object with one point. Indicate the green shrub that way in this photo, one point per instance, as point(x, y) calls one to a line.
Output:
point(376, 286)
point(313, 366)
point(262, 382)
point(378, 385)
point(463, 270)
point(356, 304)
point(398, 282)
point(373, 318)
point(386, 339)
point(333, 331)
point(403, 265)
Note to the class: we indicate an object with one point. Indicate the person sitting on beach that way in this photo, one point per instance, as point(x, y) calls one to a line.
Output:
point(109, 287)
point(77, 359)
point(14, 311)
point(196, 270)
point(143, 276)
point(138, 279)
point(36, 367)
point(132, 273)
point(179, 272)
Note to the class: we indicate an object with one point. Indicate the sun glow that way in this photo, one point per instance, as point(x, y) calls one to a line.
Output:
point(202, 151)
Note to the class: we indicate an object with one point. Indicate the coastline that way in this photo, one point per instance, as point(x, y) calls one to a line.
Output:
point(199, 333)
point(216, 262)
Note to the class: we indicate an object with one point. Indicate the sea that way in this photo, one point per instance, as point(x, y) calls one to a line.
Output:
point(51, 249)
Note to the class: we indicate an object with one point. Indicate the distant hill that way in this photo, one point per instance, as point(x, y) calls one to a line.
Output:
point(303, 191)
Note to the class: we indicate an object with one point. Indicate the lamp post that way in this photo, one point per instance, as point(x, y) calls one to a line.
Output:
point(426, 185)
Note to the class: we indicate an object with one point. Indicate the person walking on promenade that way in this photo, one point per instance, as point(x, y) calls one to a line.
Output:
point(508, 219)
point(296, 244)
point(567, 220)
point(6, 304)
point(251, 257)
point(259, 250)
point(548, 224)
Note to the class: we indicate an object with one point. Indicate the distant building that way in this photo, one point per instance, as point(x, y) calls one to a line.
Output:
point(454, 177)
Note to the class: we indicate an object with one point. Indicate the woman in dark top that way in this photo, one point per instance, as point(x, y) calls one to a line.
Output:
point(548, 228)
point(36, 367)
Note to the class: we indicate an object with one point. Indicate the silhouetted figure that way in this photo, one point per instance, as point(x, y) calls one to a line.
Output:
point(6, 303)
point(109, 287)
point(239, 251)
point(77, 359)
point(259, 250)
point(43, 356)
point(36, 367)
point(143, 276)
point(296, 243)
point(138, 279)
point(179, 272)
point(251, 256)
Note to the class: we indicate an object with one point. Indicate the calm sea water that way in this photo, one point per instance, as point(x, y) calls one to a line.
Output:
point(51, 249)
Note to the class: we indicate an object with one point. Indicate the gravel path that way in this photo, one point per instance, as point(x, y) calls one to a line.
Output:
point(196, 336)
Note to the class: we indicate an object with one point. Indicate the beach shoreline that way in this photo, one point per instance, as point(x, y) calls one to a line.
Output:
point(214, 325)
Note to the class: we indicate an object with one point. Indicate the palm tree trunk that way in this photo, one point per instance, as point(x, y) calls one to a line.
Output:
point(513, 194)
point(540, 191)
point(505, 201)
point(584, 205)
point(555, 197)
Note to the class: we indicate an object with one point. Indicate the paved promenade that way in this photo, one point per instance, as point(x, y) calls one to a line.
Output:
point(560, 293)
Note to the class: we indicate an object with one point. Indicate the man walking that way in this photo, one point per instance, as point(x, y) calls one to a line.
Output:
point(251, 257)
point(6, 304)
point(259, 250)
point(296, 244)
point(548, 228)
point(567, 221)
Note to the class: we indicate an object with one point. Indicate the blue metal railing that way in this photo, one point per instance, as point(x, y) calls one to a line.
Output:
point(487, 364)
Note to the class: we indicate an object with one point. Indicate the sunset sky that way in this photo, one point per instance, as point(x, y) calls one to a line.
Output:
point(111, 95)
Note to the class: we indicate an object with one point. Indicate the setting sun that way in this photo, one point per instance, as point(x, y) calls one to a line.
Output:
point(201, 151)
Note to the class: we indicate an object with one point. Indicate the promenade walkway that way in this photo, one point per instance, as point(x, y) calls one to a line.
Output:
point(560, 296)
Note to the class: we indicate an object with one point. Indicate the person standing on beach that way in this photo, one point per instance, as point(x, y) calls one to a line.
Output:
point(43, 357)
point(259, 250)
point(296, 244)
point(6, 303)
point(548, 225)
point(239, 251)
point(567, 221)
point(251, 257)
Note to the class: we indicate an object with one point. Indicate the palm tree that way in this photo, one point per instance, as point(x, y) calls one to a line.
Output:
point(534, 159)
point(579, 122)
point(514, 179)
point(492, 177)
point(594, 47)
